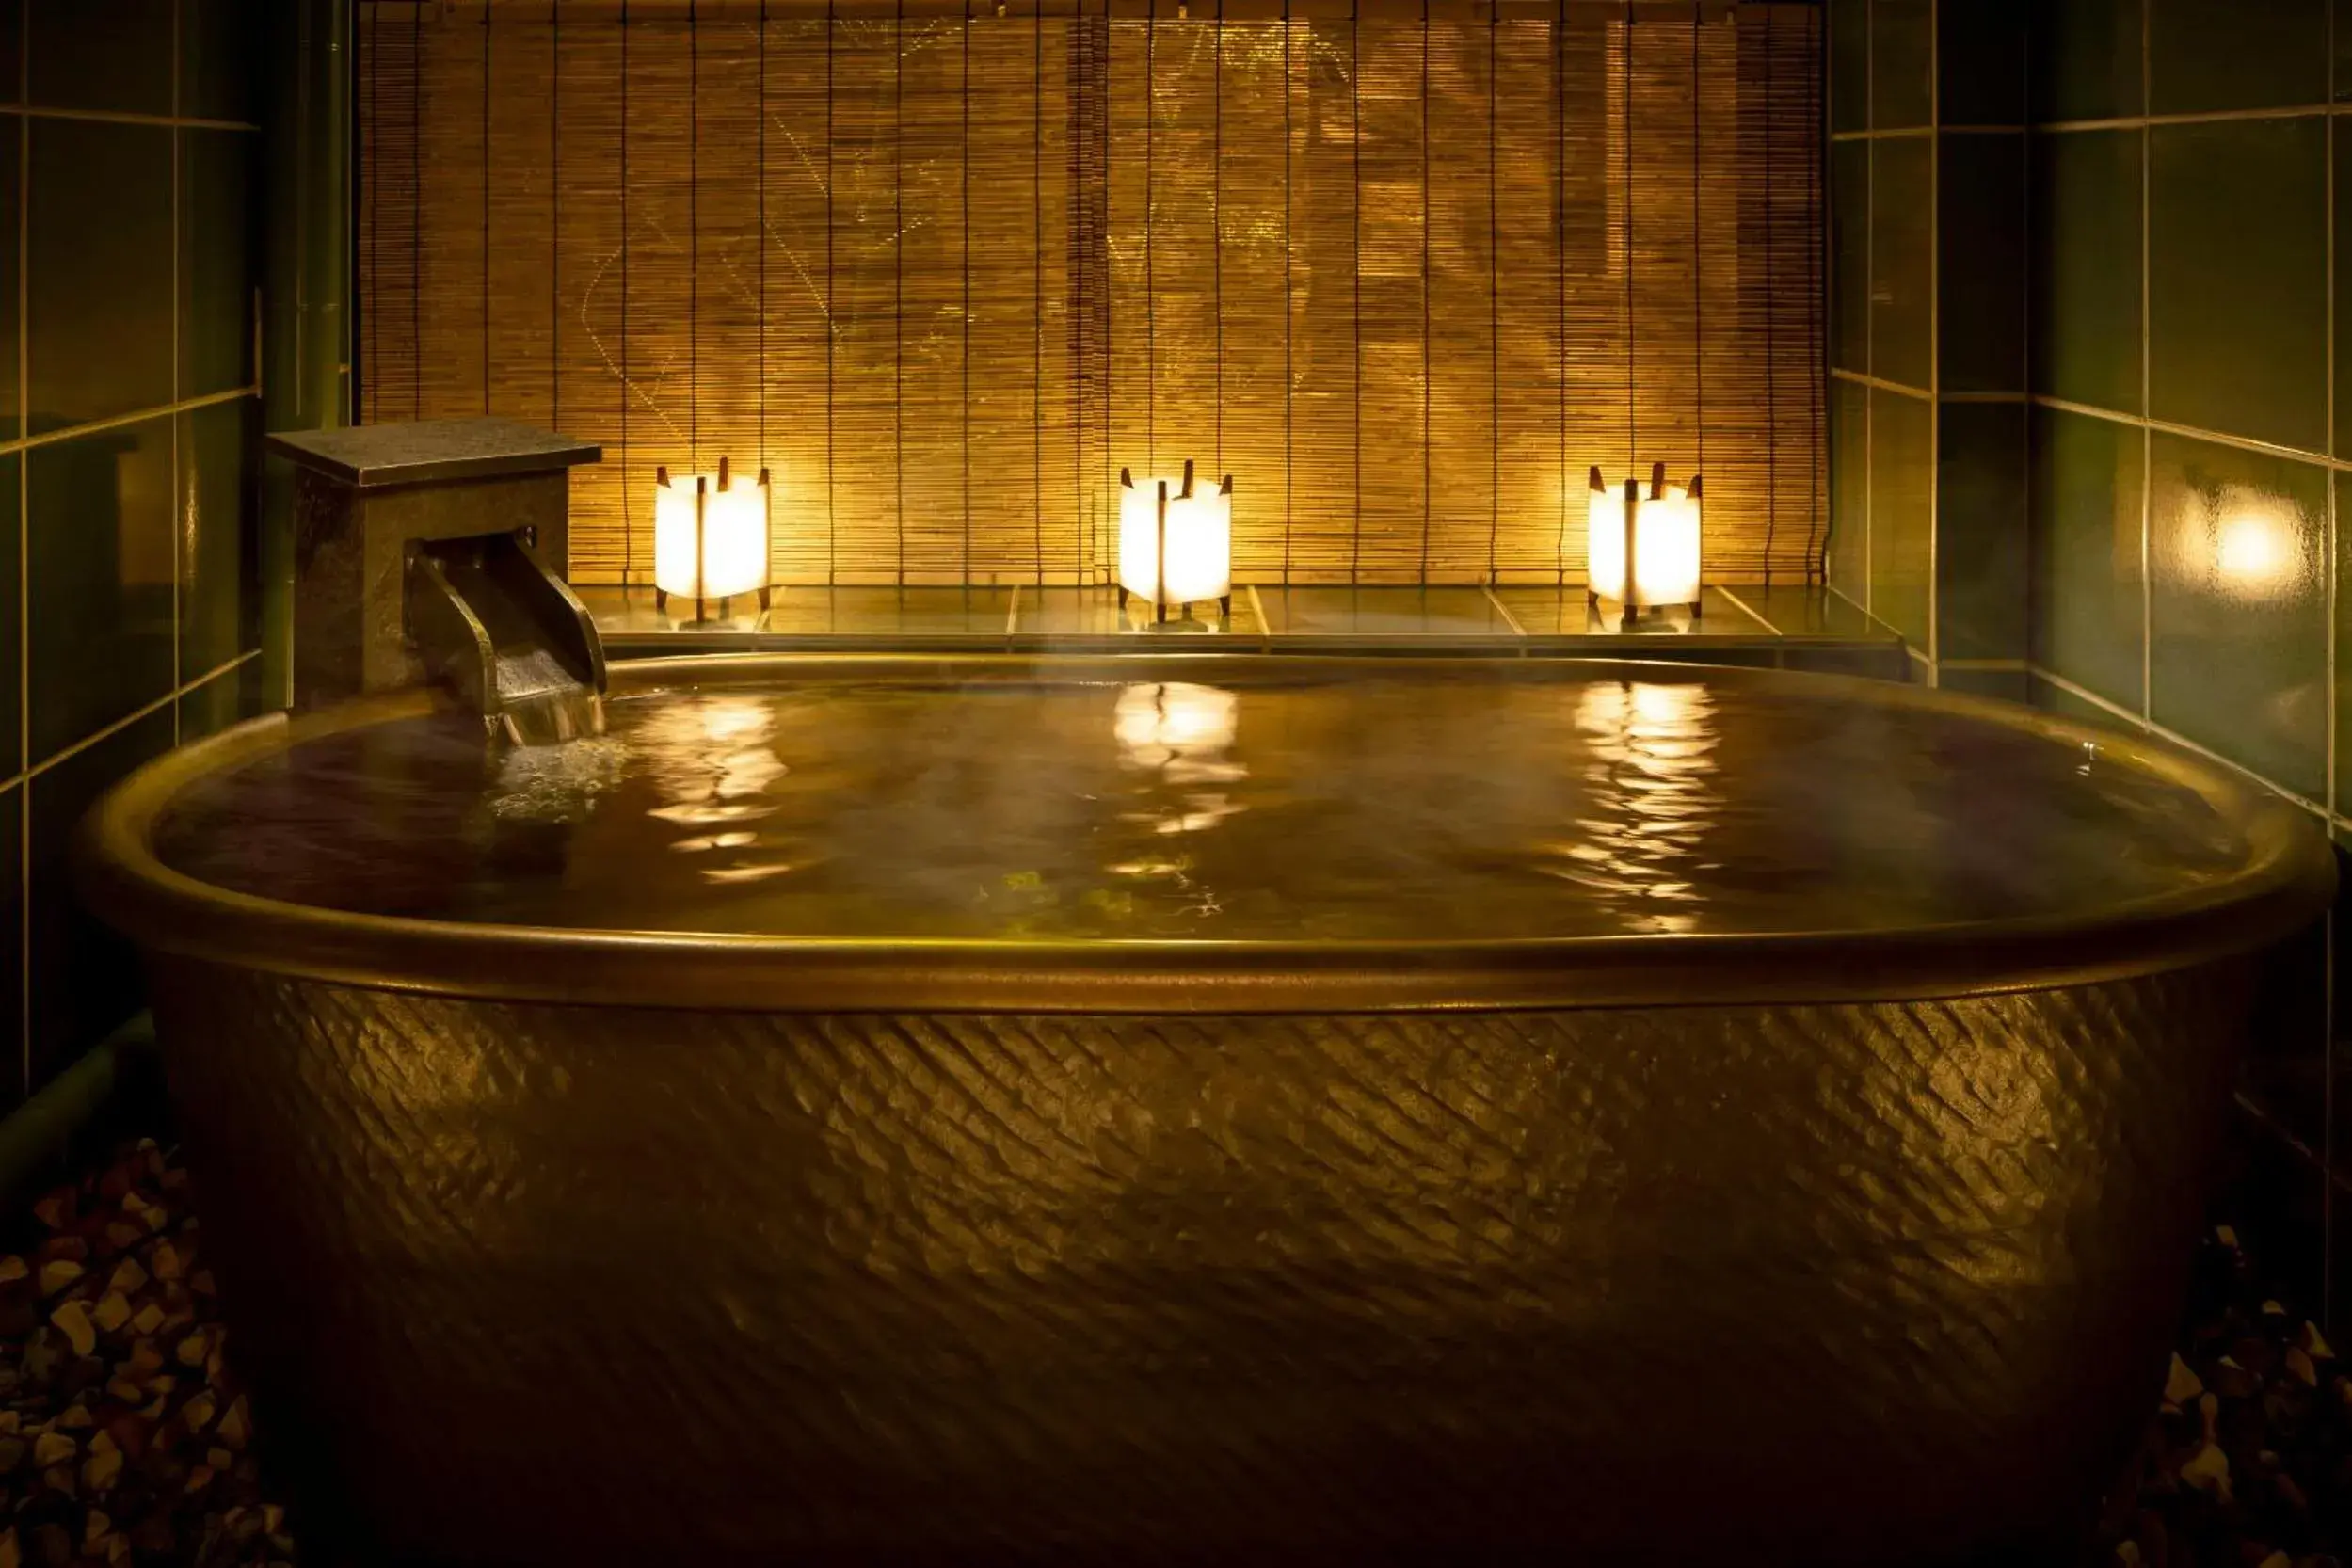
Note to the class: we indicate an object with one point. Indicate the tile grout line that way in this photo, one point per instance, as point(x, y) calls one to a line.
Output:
point(99, 737)
point(1935, 339)
point(1503, 609)
point(2147, 434)
point(173, 313)
point(2200, 117)
point(1879, 383)
point(117, 421)
point(23, 556)
point(2327, 928)
point(1750, 612)
point(2106, 705)
point(1870, 313)
point(1922, 132)
point(2191, 432)
point(116, 117)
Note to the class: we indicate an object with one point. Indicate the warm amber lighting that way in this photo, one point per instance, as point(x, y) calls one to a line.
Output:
point(1659, 523)
point(1159, 724)
point(2253, 539)
point(709, 535)
point(1175, 539)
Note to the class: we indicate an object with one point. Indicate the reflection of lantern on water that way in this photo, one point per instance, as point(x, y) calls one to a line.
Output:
point(1179, 732)
point(1651, 798)
point(714, 758)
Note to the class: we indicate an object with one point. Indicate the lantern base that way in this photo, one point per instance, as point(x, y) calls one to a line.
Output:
point(1628, 615)
point(727, 604)
point(1160, 610)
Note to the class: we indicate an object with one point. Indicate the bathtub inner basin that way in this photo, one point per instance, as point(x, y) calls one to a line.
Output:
point(1067, 809)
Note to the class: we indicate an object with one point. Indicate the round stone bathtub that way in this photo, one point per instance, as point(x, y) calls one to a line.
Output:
point(1201, 1108)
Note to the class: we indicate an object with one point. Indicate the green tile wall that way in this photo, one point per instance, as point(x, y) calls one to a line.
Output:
point(1931, 203)
point(2237, 278)
point(2086, 60)
point(128, 428)
point(2174, 376)
point(2084, 282)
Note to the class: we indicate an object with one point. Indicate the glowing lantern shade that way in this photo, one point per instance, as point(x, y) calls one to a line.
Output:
point(1657, 534)
point(1175, 542)
point(709, 537)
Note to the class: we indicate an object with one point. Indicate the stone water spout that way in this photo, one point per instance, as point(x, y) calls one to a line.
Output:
point(436, 551)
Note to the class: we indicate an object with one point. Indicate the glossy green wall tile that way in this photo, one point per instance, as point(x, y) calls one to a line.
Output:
point(1850, 65)
point(2209, 55)
point(1902, 515)
point(2087, 480)
point(2343, 50)
point(220, 257)
point(84, 977)
point(11, 91)
point(11, 683)
point(1982, 196)
point(1980, 62)
point(134, 539)
point(2056, 698)
point(2083, 280)
point(220, 603)
point(230, 698)
point(99, 286)
point(1849, 255)
point(100, 54)
point(1849, 490)
point(99, 554)
point(1902, 63)
point(2343, 660)
point(2239, 606)
point(1902, 260)
point(2237, 259)
point(11, 213)
point(1980, 534)
point(219, 55)
point(2086, 60)
point(2342, 130)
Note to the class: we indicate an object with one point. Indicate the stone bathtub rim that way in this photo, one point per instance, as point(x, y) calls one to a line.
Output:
point(2286, 881)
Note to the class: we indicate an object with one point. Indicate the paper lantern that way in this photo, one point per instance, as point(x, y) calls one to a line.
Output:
point(1175, 542)
point(709, 537)
point(1642, 549)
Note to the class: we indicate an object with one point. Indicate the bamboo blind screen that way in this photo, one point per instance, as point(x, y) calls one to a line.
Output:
point(1405, 274)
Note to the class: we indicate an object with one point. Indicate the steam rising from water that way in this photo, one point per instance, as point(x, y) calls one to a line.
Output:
point(1411, 807)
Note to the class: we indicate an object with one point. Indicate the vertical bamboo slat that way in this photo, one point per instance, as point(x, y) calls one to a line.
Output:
point(518, 314)
point(1253, 324)
point(726, 377)
point(591, 331)
point(1529, 430)
point(868, 542)
point(796, 288)
point(933, 478)
point(1001, 242)
point(1405, 274)
point(1325, 415)
point(1463, 363)
point(1391, 306)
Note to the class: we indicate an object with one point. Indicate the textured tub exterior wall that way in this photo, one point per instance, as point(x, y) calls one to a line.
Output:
point(823, 1285)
